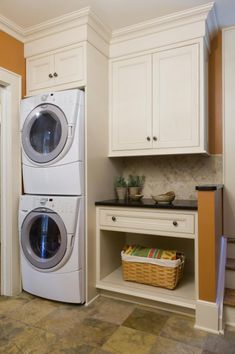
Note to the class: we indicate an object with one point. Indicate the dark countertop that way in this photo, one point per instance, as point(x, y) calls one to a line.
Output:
point(150, 203)
point(209, 187)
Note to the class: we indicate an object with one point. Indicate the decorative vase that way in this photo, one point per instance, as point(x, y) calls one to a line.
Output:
point(134, 190)
point(121, 192)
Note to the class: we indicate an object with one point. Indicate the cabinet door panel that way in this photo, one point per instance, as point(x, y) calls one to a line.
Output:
point(131, 104)
point(69, 65)
point(176, 97)
point(38, 71)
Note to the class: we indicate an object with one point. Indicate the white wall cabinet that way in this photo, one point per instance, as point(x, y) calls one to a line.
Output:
point(131, 104)
point(155, 103)
point(176, 98)
point(59, 69)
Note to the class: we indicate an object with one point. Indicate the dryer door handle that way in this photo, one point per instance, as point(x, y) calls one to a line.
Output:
point(72, 241)
point(70, 130)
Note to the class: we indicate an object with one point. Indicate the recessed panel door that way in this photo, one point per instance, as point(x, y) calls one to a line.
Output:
point(131, 112)
point(69, 66)
point(40, 72)
point(176, 98)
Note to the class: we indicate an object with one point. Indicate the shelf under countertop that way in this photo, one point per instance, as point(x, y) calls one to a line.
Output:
point(183, 295)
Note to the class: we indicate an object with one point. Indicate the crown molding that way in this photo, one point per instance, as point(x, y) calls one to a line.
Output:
point(74, 19)
point(211, 21)
point(81, 17)
point(11, 28)
point(57, 21)
point(200, 13)
point(95, 22)
point(229, 28)
point(87, 17)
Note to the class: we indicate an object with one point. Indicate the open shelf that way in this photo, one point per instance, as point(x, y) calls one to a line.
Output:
point(183, 295)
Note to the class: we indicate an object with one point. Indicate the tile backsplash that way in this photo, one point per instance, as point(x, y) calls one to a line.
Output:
point(179, 173)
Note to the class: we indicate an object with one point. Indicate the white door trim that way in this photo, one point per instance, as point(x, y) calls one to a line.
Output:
point(10, 182)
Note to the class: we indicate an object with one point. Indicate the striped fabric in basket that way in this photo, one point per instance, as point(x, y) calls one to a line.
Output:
point(152, 266)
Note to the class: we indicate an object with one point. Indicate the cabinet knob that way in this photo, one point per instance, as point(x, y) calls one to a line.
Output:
point(50, 76)
point(155, 138)
point(55, 74)
point(148, 138)
point(175, 223)
point(114, 218)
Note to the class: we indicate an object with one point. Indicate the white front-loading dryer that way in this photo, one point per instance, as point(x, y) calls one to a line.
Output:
point(52, 139)
point(51, 232)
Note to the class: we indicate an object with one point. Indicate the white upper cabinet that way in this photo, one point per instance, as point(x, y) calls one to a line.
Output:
point(69, 65)
point(176, 98)
point(159, 84)
point(131, 126)
point(158, 103)
point(38, 72)
point(60, 69)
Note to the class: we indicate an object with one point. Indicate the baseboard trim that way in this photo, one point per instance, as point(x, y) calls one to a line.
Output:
point(229, 316)
point(209, 330)
point(92, 300)
point(149, 303)
point(207, 316)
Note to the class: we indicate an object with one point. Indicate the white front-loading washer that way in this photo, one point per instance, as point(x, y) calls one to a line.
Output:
point(51, 232)
point(52, 139)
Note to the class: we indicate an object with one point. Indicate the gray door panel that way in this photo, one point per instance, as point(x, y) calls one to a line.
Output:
point(43, 239)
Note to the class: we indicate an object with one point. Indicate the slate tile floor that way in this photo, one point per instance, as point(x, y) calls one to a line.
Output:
point(33, 325)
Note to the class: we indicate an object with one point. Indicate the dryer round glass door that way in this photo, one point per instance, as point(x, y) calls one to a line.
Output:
point(44, 134)
point(43, 239)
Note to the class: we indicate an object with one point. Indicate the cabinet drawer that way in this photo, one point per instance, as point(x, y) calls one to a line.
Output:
point(157, 222)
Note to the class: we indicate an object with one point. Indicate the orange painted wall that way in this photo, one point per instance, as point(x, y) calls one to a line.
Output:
point(210, 230)
point(12, 56)
point(215, 96)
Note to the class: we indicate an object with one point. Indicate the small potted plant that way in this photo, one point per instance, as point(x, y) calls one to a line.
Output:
point(135, 184)
point(121, 187)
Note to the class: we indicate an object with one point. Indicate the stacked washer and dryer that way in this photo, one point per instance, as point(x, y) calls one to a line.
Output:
point(51, 213)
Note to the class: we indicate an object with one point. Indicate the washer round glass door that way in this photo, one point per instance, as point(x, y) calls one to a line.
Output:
point(44, 133)
point(43, 238)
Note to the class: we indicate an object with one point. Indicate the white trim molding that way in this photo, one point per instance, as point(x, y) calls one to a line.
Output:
point(207, 316)
point(86, 16)
point(10, 182)
point(205, 12)
point(229, 316)
point(70, 20)
point(221, 281)
point(73, 28)
point(81, 17)
point(192, 24)
point(12, 28)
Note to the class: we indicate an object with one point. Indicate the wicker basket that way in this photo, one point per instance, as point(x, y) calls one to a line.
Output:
point(153, 274)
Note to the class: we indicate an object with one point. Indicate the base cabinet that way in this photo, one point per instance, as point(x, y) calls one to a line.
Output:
point(118, 226)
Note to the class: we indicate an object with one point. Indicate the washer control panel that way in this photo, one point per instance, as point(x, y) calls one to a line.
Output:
point(70, 209)
point(44, 202)
point(58, 204)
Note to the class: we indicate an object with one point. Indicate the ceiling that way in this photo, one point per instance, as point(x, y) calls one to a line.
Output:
point(114, 13)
